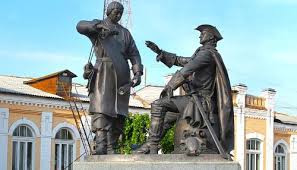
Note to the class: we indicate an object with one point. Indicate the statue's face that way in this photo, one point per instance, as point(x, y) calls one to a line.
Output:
point(205, 36)
point(115, 15)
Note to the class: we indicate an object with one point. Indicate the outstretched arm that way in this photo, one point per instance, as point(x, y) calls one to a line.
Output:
point(169, 59)
point(202, 59)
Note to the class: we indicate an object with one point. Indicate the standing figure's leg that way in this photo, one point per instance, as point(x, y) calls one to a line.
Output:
point(114, 133)
point(101, 124)
point(101, 142)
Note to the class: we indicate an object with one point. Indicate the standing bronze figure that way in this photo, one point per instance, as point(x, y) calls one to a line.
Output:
point(113, 46)
point(207, 105)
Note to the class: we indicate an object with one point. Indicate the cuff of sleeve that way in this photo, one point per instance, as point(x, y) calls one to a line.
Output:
point(167, 58)
point(176, 80)
point(137, 68)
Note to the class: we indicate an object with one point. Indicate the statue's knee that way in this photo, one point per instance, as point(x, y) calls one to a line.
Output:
point(156, 103)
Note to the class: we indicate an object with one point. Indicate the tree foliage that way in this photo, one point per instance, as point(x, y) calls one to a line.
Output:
point(136, 132)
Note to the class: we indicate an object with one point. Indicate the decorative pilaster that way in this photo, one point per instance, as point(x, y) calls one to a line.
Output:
point(269, 95)
point(293, 152)
point(4, 114)
point(240, 122)
point(46, 136)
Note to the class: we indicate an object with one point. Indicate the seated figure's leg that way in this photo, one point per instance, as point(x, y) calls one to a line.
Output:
point(170, 120)
point(158, 112)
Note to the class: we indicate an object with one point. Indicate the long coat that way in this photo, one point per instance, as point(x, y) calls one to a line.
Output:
point(208, 79)
point(111, 70)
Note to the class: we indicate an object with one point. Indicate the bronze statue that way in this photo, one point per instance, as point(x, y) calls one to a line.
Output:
point(206, 107)
point(113, 46)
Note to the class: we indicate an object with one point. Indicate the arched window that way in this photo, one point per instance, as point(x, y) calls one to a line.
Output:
point(253, 154)
point(280, 157)
point(23, 148)
point(63, 149)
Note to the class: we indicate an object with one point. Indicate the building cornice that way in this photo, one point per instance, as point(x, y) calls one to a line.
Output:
point(34, 101)
point(284, 127)
point(255, 113)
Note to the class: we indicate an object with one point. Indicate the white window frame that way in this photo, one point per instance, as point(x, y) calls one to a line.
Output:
point(61, 142)
point(284, 145)
point(20, 139)
point(260, 152)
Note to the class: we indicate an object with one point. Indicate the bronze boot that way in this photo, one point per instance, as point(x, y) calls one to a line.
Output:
point(101, 142)
point(155, 134)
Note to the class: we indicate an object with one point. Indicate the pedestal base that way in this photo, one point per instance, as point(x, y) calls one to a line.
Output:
point(155, 162)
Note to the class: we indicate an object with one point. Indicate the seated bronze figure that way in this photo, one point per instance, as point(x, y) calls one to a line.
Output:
point(204, 114)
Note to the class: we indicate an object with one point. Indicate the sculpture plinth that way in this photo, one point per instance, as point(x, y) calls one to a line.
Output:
point(156, 162)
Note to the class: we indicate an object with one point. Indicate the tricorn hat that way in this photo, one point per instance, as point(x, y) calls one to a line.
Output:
point(210, 29)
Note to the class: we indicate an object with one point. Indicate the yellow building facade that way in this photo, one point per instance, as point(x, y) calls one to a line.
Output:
point(37, 128)
point(264, 139)
point(38, 131)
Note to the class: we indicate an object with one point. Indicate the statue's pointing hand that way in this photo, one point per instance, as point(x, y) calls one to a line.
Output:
point(154, 48)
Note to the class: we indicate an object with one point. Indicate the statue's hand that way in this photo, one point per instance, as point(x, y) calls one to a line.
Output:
point(105, 32)
point(136, 79)
point(88, 68)
point(101, 27)
point(153, 47)
point(167, 92)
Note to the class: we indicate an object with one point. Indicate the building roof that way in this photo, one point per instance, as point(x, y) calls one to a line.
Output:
point(285, 118)
point(150, 93)
point(16, 85)
point(67, 72)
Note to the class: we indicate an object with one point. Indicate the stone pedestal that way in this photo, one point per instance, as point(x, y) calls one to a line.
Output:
point(155, 162)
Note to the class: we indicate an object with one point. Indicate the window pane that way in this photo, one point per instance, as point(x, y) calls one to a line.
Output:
point(29, 156)
point(22, 130)
point(275, 164)
point(15, 132)
point(14, 155)
point(257, 161)
point(257, 145)
point(63, 156)
point(252, 162)
point(248, 144)
point(22, 156)
point(64, 134)
point(283, 162)
point(252, 144)
point(29, 132)
point(281, 149)
point(247, 161)
point(70, 156)
point(57, 148)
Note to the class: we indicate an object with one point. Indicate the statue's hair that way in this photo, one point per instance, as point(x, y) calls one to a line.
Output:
point(114, 5)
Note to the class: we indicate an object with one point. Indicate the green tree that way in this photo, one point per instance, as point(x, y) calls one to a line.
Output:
point(136, 131)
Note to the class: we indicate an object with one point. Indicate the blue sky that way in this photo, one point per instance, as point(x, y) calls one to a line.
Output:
point(259, 46)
